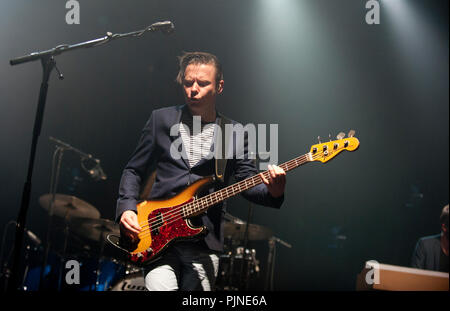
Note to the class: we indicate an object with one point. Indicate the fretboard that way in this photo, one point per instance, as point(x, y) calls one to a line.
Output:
point(202, 204)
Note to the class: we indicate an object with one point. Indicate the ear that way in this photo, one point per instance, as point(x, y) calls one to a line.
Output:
point(220, 87)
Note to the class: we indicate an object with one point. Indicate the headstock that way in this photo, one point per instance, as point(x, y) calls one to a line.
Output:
point(325, 151)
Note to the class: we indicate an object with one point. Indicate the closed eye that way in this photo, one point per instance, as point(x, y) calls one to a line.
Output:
point(188, 82)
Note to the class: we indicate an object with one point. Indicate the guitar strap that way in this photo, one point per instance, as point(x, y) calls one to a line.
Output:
point(220, 159)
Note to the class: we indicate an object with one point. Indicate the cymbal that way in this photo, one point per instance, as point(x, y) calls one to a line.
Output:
point(69, 205)
point(94, 229)
point(255, 232)
point(228, 217)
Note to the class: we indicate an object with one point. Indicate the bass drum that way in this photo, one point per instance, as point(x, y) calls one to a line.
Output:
point(133, 281)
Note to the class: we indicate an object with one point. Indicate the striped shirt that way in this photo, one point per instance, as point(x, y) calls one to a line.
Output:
point(197, 143)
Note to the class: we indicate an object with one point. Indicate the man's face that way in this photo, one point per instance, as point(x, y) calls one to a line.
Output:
point(200, 88)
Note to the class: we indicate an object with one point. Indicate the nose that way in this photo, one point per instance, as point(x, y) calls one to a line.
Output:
point(194, 88)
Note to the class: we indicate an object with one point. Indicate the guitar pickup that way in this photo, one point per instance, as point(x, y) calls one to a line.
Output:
point(158, 223)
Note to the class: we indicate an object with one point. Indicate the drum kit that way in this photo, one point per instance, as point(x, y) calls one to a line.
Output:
point(239, 269)
point(84, 235)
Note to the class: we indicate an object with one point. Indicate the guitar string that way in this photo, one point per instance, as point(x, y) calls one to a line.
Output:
point(176, 213)
point(227, 189)
point(174, 217)
point(192, 204)
point(146, 233)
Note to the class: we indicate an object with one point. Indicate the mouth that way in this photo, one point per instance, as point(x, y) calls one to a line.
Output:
point(193, 100)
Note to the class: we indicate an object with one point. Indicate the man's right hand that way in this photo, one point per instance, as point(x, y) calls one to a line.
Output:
point(129, 224)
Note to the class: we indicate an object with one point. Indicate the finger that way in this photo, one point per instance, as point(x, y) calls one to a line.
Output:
point(264, 179)
point(280, 174)
point(278, 170)
point(129, 227)
point(133, 221)
point(272, 172)
point(135, 226)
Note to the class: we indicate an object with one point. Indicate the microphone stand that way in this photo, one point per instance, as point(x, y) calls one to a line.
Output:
point(245, 278)
point(56, 166)
point(48, 63)
point(271, 261)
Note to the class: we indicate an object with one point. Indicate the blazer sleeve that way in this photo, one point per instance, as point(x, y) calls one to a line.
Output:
point(134, 172)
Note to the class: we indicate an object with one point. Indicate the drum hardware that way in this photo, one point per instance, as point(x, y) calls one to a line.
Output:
point(27, 266)
point(237, 232)
point(33, 244)
point(132, 281)
point(5, 272)
point(242, 258)
point(95, 230)
point(271, 261)
point(133, 278)
point(237, 269)
point(66, 206)
point(238, 266)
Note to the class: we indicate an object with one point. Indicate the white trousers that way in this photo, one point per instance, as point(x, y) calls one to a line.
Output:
point(185, 266)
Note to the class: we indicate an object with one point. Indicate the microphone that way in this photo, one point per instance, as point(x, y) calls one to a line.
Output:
point(166, 27)
point(97, 172)
point(33, 237)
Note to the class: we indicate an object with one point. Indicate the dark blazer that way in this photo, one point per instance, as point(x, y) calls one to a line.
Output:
point(173, 175)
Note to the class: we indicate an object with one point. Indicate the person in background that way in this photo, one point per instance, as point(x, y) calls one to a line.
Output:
point(431, 252)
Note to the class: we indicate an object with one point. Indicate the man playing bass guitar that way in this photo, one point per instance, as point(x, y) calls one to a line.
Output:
point(190, 264)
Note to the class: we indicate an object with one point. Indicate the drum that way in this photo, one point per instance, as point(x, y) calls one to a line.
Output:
point(100, 275)
point(134, 280)
point(33, 266)
point(236, 269)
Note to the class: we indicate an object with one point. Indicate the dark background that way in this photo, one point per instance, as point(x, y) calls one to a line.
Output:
point(312, 67)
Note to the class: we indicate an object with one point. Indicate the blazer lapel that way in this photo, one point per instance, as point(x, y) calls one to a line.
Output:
point(176, 122)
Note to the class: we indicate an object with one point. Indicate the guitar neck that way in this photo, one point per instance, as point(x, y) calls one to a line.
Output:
point(200, 205)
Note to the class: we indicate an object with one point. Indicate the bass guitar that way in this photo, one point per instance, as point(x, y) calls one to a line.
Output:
point(164, 222)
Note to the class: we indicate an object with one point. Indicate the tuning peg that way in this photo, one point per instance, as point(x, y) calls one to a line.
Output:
point(340, 135)
point(318, 138)
point(329, 136)
point(351, 133)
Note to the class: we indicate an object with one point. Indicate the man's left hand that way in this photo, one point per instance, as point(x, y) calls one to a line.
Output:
point(276, 182)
